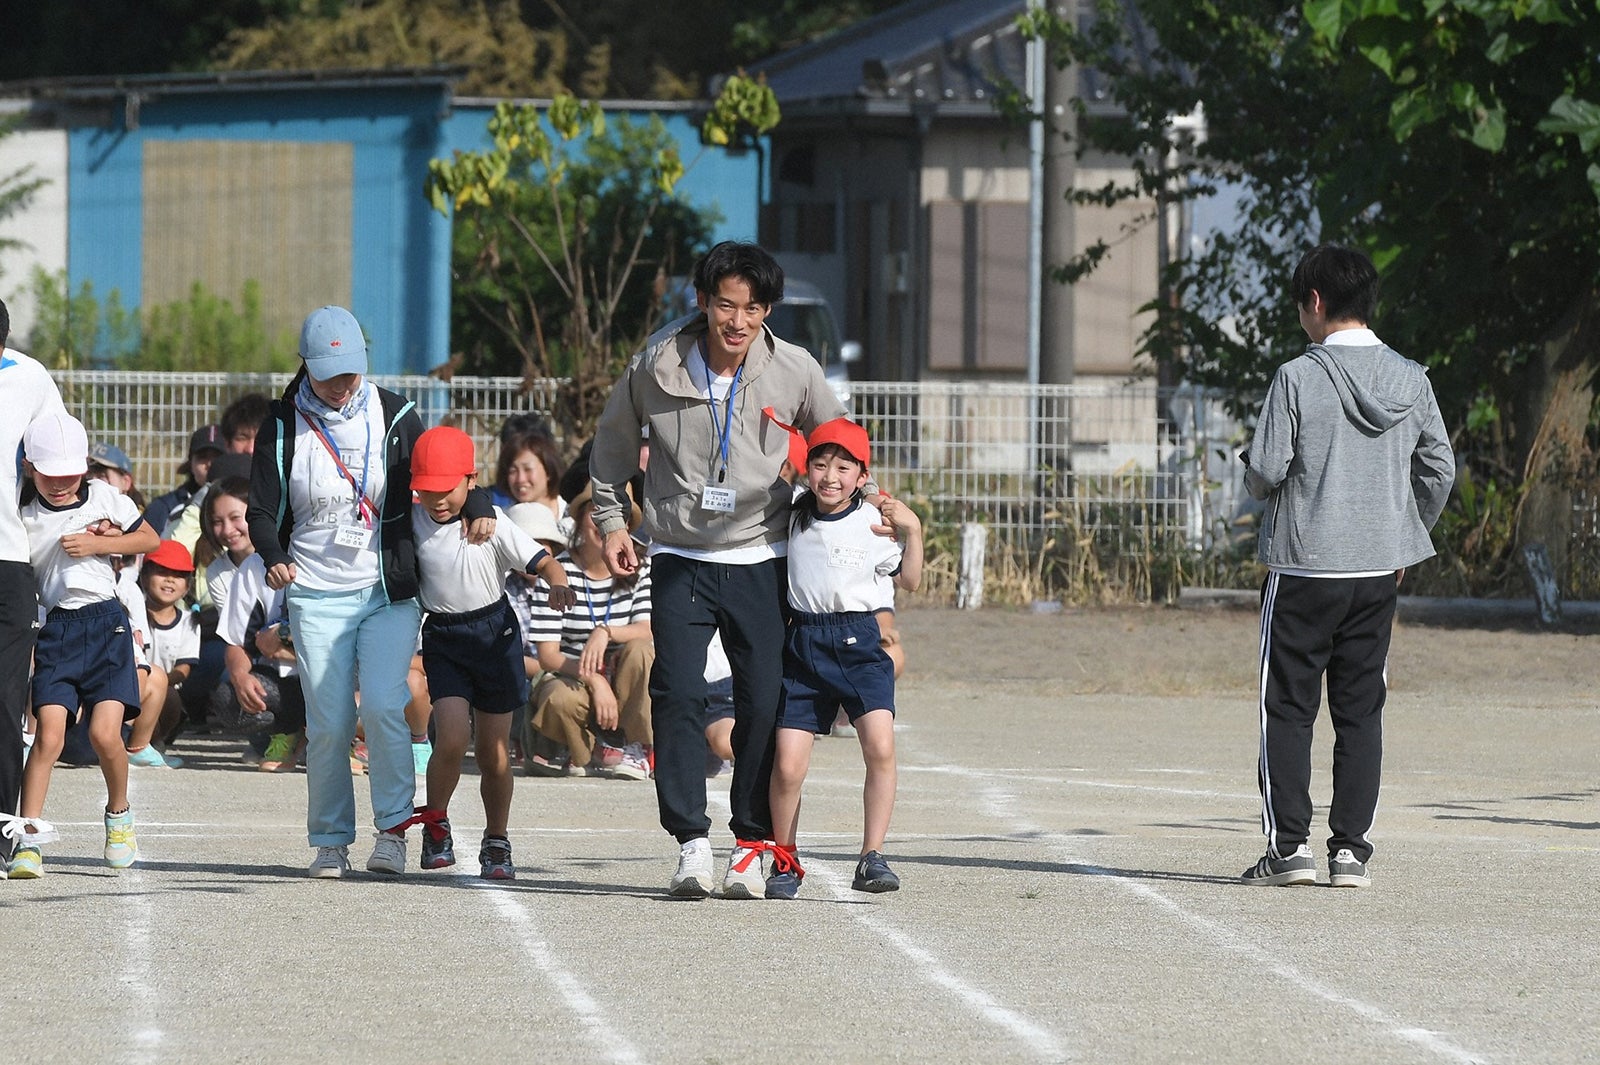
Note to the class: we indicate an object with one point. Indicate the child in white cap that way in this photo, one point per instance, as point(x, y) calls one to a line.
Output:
point(84, 656)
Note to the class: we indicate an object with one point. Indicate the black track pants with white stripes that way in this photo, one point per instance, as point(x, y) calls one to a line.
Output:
point(1311, 627)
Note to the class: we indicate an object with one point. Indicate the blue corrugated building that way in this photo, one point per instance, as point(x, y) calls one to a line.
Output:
point(309, 183)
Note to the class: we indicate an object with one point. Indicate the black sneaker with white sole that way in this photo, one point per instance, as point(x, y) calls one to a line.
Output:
point(1345, 871)
point(1292, 871)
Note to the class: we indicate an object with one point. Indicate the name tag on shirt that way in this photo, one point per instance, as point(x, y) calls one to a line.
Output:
point(713, 497)
point(842, 557)
point(358, 537)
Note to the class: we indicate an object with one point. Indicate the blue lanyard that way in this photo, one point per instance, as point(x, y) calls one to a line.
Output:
point(588, 601)
point(725, 430)
point(363, 504)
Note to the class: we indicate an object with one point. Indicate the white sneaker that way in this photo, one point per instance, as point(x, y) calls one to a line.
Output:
point(388, 854)
point(635, 764)
point(746, 877)
point(693, 878)
point(330, 863)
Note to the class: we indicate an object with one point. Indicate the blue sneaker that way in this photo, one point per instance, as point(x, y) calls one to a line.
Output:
point(149, 756)
point(873, 874)
point(122, 848)
point(783, 885)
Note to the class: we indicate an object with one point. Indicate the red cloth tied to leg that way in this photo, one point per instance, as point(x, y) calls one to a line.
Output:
point(784, 860)
point(431, 820)
point(753, 849)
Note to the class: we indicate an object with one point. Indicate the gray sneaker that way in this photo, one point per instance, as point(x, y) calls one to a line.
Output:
point(388, 854)
point(1298, 868)
point(1345, 871)
point(330, 863)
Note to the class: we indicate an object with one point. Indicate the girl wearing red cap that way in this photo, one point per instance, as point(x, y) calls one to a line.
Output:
point(841, 571)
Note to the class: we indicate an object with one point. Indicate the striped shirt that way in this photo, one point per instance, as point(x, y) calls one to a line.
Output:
point(599, 602)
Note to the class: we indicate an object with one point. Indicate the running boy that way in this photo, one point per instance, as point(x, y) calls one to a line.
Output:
point(1352, 456)
point(84, 657)
point(840, 572)
point(471, 644)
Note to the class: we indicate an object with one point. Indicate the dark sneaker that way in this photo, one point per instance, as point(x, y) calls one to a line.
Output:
point(1345, 871)
point(873, 874)
point(494, 859)
point(783, 885)
point(1298, 868)
point(438, 846)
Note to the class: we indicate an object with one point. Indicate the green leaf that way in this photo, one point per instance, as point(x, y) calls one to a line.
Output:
point(1568, 114)
point(1329, 18)
point(1409, 113)
point(1489, 129)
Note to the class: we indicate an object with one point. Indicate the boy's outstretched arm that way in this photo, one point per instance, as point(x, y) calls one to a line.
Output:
point(562, 597)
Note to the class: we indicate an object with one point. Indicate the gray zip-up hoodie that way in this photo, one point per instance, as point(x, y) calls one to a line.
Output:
point(685, 454)
point(1351, 454)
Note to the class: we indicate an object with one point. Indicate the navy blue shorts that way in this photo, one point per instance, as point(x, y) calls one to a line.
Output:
point(84, 657)
point(719, 700)
point(476, 656)
point(829, 661)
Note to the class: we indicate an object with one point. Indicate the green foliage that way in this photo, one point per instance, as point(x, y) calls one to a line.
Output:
point(206, 332)
point(1450, 140)
point(77, 329)
point(566, 229)
point(744, 110)
point(501, 53)
point(202, 333)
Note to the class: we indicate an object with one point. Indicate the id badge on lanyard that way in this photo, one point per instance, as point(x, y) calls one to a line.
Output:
point(716, 497)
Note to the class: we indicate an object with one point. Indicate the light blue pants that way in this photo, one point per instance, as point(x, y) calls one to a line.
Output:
point(341, 637)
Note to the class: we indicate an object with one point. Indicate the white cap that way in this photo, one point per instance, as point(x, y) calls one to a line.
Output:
point(538, 521)
point(57, 446)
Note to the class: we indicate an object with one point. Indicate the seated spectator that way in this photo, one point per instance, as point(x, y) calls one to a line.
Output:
point(528, 471)
point(719, 709)
point(598, 655)
point(240, 421)
point(205, 444)
point(536, 520)
point(171, 633)
point(109, 463)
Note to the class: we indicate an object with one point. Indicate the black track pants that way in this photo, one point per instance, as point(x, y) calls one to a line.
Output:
point(1311, 627)
point(19, 614)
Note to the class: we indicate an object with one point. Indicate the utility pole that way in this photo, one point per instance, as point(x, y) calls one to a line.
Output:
point(1058, 164)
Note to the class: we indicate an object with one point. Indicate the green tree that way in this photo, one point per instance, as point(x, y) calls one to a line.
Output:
point(567, 228)
point(1453, 140)
point(77, 329)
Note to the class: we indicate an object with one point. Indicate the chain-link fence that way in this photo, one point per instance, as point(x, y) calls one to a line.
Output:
point(1127, 465)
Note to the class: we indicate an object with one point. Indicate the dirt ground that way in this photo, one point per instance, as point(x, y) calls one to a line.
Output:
point(1212, 650)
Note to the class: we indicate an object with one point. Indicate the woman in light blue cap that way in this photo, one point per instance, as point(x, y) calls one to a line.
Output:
point(330, 499)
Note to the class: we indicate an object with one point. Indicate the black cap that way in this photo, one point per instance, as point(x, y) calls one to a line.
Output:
point(206, 438)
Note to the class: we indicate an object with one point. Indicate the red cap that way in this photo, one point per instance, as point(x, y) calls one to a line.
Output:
point(798, 451)
point(170, 554)
point(442, 456)
point(847, 435)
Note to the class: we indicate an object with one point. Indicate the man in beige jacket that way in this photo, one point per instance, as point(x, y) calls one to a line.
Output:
point(718, 393)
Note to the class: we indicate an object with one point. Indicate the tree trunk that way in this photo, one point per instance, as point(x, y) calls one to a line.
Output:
point(1552, 419)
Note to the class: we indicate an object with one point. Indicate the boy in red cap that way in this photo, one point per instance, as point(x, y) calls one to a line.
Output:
point(171, 647)
point(471, 644)
point(841, 571)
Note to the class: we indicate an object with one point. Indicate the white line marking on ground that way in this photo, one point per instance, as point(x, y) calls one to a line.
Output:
point(141, 999)
point(1037, 1039)
point(1230, 940)
point(990, 774)
point(602, 1032)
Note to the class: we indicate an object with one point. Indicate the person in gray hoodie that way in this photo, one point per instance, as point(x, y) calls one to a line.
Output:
point(1351, 455)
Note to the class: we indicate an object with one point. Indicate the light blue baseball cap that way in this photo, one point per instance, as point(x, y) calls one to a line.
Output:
point(331, 343)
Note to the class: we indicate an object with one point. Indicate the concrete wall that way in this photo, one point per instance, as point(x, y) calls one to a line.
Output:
point(41, 227)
